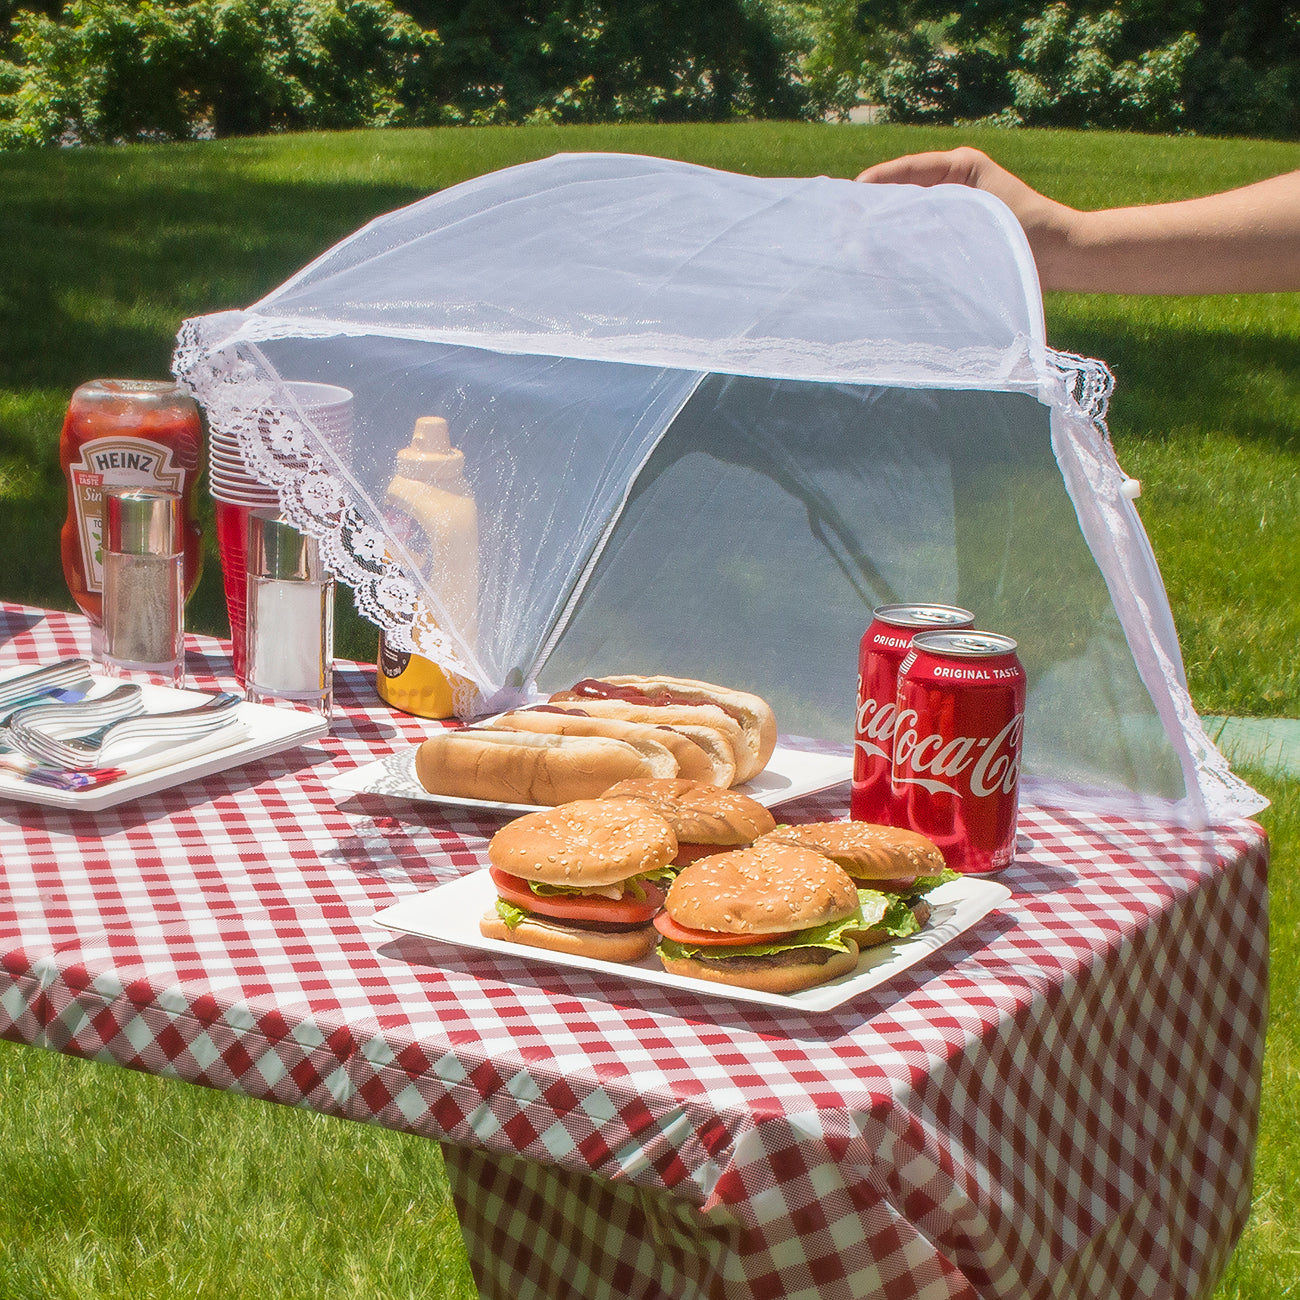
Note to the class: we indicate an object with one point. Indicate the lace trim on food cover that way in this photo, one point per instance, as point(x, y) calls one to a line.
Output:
point(240, 398)
point(1088, 383)
point(1087, 388)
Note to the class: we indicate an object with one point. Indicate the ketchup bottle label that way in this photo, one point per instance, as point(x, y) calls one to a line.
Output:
point(133, 462)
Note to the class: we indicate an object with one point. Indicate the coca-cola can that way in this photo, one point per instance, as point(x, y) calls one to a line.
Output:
point(882, 649)
point(957, 740)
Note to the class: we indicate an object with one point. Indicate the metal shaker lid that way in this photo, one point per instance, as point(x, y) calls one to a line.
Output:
point(142, 521)
point(276, 549)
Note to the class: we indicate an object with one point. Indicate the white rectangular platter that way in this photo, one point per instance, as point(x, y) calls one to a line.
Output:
point(791, 774)
point(261, 730)
point(450, 914)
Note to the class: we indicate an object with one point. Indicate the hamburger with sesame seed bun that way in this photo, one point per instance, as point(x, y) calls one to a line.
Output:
point(893, 869)
point(585, 878)
point(773, 917)
point(704, 818)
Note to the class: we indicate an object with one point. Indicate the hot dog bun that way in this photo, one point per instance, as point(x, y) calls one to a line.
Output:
point(746, 721)
point(522, 767)
point(752, 711)
point(728, 738)
point(694, 763)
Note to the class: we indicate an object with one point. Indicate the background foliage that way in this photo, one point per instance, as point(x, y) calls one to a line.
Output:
point(104, 71)
point(107, 71)
point(1191, 65)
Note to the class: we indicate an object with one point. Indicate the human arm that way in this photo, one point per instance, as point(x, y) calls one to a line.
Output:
point(1244, 240)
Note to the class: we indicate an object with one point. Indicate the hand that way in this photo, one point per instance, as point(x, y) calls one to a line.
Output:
point(1241, 241)
point(1046, 223)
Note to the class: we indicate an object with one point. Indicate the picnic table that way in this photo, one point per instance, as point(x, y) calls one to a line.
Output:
point(1060, 1102)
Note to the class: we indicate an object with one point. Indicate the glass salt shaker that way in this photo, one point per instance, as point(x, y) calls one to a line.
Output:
point(144, 584)
point(290, 617)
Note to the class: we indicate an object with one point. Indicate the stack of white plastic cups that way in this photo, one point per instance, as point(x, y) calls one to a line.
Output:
point(237, 491)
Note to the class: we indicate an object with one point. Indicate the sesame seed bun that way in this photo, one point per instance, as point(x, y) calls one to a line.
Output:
point(584, 843)
point(869, 853)
point(542, 932)
point(789, 977)
point(699, 813)
point(769, 888)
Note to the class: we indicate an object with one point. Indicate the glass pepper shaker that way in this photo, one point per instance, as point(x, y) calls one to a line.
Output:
point(290, 616)
point(144, 584)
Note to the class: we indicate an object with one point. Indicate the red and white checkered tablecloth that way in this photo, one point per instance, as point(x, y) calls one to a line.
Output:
point(1062, 1102)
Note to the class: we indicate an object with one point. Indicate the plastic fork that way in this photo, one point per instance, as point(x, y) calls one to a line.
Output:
point(79, 753)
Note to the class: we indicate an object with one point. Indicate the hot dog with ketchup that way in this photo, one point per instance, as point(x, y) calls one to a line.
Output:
point(745, 721)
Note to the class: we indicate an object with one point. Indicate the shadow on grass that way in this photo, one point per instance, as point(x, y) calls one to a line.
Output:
point(1229, 374)
point(107, 251)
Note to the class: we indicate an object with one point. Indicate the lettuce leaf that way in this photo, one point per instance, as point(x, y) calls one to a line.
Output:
point(889, 912)
point(923, 884)
point(513, 916)
point(632, 885)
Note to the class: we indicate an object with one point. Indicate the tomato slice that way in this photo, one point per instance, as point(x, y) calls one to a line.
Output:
point(580, 907)
point(713, 938)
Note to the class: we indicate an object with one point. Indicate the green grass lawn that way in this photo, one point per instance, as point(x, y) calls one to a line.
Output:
point(122, 1185)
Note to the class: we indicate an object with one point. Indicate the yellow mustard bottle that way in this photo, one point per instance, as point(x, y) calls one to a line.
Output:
point(430, 489)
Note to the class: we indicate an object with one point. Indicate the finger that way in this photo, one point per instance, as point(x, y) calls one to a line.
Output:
point(939, 168)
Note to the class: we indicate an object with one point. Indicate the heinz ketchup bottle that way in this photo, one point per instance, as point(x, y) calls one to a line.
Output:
point(133, 432)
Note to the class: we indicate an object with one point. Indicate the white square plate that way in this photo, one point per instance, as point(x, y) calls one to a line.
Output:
point(791, 774)
point(450, 913)
point(265, 730)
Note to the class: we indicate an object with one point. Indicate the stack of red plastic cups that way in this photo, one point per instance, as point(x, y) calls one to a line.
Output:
point(237, 491)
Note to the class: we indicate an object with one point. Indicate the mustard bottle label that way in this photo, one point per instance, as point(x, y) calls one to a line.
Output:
point(412, 683)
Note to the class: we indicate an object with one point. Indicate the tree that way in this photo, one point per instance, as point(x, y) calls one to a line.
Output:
point(115, 70)
point(1195, 65)
point(599, 60)
point(1072, 71)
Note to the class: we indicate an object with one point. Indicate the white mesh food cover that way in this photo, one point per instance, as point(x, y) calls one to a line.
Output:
point(700, 423)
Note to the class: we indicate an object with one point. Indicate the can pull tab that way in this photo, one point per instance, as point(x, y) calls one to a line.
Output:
point(1131, 488)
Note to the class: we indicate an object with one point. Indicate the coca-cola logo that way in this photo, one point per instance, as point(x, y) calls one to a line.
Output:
point(875, 731)
point(934, 761)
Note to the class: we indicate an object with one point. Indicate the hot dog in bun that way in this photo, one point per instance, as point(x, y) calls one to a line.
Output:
point(705, 819)
point(893, 869)
point(693, 761)
point(773, 917)
point(522, 767)
point(585, 878)
point(746, 721)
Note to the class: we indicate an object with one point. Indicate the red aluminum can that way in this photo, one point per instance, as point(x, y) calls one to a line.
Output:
point(882, 649)
point(957, 741)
